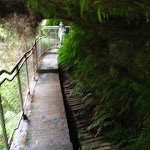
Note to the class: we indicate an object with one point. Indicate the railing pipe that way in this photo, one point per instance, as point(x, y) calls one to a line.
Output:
point(40, 47)
point(27, 74)
point(36, 55)
point(16, 72)
point(20, 92)
point(33, 61)
point(16, 65)
point(11, 135)
point(3, 125)
point(56, 39)
point(49, 40)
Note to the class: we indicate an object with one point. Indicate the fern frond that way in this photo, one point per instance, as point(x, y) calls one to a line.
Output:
point(99, 121)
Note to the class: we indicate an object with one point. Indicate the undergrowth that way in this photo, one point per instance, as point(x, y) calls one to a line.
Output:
point(120, 99)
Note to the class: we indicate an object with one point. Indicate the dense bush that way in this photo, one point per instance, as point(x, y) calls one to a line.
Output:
point(109, 53)
point(118, 79)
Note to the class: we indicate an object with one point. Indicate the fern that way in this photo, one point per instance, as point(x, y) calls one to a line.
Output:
point(99, 13)
point(84, 6)
point(120, 99)
point(101, 121)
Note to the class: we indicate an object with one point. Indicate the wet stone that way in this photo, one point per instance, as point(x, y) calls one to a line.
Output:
point(47, 125)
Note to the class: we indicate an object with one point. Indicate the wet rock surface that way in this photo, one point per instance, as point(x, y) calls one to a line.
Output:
point(46, 127)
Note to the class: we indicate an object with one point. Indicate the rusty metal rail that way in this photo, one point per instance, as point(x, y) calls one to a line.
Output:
point(16, 85)
point(20, 75)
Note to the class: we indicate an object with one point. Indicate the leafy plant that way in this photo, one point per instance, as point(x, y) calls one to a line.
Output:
point(120, 102)
point(83, 144)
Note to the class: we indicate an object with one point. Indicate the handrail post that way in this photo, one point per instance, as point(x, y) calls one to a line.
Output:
point(36, 55)
point(41, 48)
point(20, 92)
point(48, 39)
point(39, 45)
point(27, 73)
point(3, 125)
point(33, 61)
point(56, 38)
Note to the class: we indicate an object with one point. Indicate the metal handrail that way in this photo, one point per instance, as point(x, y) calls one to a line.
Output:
point(15, 67)
point(16, 72)
point(25, 56)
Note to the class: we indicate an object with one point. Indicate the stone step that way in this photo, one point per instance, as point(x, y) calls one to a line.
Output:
point(48, 147)
point(50, 70)
point(48, 64)
point(53, 51)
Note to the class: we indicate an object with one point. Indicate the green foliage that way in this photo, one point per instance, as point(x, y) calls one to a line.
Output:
point(109, 53)
point(80, 90)
point(100, 121)
point(71, 49)
point(52, 22)
point(3, 33)
point(120, 135)
point(9, 92)
point(83, 144)
point(84, 6)
point(120, 102)
point(12, 121)
point(102, 16)
point(11, 106)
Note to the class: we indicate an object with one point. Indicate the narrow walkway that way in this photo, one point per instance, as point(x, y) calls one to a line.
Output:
point(46, 128)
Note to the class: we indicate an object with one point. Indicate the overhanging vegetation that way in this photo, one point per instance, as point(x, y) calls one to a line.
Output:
point(109, 52)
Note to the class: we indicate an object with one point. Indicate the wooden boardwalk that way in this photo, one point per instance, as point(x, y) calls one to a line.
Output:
point(74, 105)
